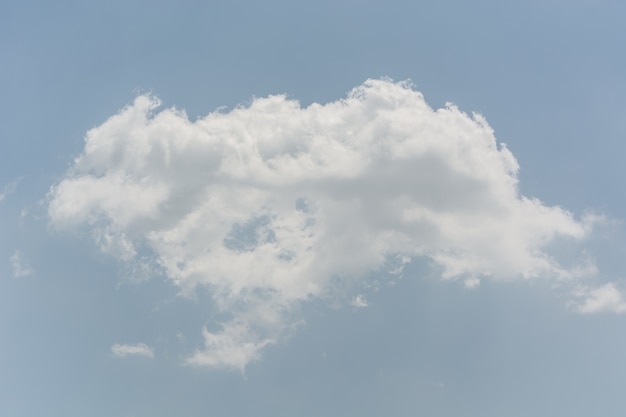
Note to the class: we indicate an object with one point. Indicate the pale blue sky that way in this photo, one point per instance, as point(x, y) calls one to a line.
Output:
point(549, 77)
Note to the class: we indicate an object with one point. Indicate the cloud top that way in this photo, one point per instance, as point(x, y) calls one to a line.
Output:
point(273, 204)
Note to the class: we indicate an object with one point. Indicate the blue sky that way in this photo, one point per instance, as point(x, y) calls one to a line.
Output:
point(183, 231)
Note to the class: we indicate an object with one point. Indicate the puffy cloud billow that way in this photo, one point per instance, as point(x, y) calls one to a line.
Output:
point(271, 204)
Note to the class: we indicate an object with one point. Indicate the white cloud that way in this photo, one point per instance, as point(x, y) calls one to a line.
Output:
point(20, 267)
point(359, 301)
point(471, 282)
point(606, 298)
point(233, 347)
point(139, 349)
point(272, 204)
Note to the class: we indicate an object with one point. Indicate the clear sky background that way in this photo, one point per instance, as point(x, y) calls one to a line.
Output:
point(113, 303)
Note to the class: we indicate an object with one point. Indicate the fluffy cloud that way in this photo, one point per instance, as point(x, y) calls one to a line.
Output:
point(606, 298)
point(272, 204)
point(233, 347)
point(139, 349)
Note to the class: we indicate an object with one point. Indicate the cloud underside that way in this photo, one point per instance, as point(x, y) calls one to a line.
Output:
point(273, 204)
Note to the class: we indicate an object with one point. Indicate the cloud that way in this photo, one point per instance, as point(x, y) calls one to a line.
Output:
point(606, 298)
point(20, 267)
point(234, 347)
point(139, 349)
point(359, 301)
point(274, 204)
point(9, 188)
point(471, 282)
